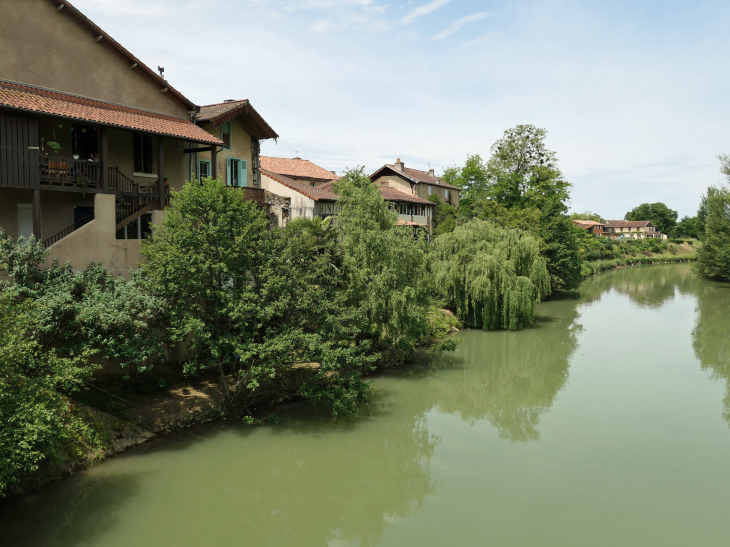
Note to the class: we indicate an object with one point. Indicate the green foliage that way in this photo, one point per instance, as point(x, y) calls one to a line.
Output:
point(444, 216)
point(658, 214)
point(266, 308)
point(39, 428)
point(87, 312)
point(386, 268)
point(493, 276)
point(713, 258)
point(559, 245)
point(687, 227)
point(590, 268)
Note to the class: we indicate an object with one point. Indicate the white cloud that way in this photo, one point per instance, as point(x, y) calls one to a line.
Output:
point(425, 9)
point(456, 25)
point(323, 25)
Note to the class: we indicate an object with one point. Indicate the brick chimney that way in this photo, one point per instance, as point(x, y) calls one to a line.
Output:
point(400, 165)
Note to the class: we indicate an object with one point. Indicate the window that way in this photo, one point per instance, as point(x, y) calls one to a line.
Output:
point(236, 172)
point(226, 135)
point(137, 229)
point(142, 153)
point(204, 170)
point(429, 189)
point(85, 142)
point(446, 194)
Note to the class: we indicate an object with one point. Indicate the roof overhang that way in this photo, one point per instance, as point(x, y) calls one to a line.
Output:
point(379, 173)
point(253, 122)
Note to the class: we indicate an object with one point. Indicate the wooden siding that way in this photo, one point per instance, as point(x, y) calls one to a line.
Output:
point(19, 153)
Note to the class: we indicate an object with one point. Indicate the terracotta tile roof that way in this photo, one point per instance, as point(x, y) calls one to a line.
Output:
point(627, 223)
point(587, 223)
point(296, 168)
point(32, 99)
point(395, 194)
point(222, 112)
point(414, 175)
point(317, 193)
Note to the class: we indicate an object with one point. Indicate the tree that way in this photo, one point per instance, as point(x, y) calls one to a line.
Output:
point(658, 214)
point(687, 227)
point(713, 258)
point(559, 245)
point(495, 277)
point(522, 172)
point(386, 268)
point(266, 309)
point(444, 216)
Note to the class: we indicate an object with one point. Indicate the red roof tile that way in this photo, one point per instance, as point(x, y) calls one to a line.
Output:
point(222, 112)
point(627, 223)
point(296, 168)
point(396, 194)
point(317, 193)
point(53, 103)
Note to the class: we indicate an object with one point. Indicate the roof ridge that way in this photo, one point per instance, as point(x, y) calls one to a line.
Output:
point(224, 102)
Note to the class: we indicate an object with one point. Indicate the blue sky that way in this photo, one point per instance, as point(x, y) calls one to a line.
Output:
point(634, 95)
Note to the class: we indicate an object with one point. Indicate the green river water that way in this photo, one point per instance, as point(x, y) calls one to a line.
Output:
point(607, 424)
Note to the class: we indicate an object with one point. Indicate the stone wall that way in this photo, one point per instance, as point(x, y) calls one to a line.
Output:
point(278, 210)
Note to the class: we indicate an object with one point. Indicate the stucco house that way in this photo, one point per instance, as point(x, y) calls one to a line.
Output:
point(92, 140)
point(416, 182)
point(310, 200)
point(621, 229)
point(632, 229)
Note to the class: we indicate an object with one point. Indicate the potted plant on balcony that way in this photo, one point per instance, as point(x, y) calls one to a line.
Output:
point(53, 145)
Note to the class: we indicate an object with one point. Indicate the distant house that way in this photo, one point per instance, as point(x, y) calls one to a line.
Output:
point(621, 229)
point(294, 178)
point(416, 182)
point(632, 229)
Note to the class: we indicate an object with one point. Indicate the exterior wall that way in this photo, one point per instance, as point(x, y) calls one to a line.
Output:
point(240, 148)
point(278, 210)
point(49, 48)
point(97, 241)
point(300, 205)
point(57, 209)
point(440, 191)
point(394, 181)
point(415, 218)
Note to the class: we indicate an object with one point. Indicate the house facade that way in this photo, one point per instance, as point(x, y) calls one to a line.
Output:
point(621, 229)
point(310, 198)
point(92, 140)
point(422, 184)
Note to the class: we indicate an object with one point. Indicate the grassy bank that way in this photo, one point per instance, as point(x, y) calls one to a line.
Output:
point(590, 268)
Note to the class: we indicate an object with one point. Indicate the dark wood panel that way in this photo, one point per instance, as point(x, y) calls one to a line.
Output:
point(18, 162)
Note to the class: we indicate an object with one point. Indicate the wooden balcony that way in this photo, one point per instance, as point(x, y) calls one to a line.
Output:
point(70, 174)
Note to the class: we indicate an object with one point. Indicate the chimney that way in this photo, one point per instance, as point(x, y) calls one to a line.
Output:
point(400, 165)
point(430, 172)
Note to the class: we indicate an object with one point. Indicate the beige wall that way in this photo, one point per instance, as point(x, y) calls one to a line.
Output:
point(48, 48)
point(300, 206)
point(57, 209)
point(240, 148)
point(394, 181)
point(97, 241)
point(440, 191)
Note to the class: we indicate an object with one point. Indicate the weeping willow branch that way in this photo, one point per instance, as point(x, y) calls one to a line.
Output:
point(495, 277)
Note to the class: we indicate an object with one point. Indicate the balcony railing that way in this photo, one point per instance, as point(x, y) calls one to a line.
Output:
point(69, 173)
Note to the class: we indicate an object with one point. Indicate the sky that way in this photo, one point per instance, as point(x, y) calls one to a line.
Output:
point(633, 94)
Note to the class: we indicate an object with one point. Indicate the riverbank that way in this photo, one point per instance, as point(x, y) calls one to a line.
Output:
point(590, 268)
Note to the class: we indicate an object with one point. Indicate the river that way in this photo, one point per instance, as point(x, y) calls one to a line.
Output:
point(607, 424)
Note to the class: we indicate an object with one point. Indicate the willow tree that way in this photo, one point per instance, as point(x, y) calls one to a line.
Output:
point(495, 277)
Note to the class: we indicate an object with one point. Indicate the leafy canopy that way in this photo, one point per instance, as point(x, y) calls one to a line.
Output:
point(658, 214)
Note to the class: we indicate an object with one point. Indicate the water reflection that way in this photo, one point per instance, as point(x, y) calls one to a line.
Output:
point(711, 335)
point(647, 286)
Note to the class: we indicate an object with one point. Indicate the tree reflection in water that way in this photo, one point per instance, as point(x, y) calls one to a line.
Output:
point(711, 335)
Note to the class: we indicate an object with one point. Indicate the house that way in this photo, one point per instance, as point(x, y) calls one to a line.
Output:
point(590, 226)
point(632, 229)
point(241, 128)
point(416, 182)
point(621, 229)
point(92, 140)
point(297, 169)
point(309, 200)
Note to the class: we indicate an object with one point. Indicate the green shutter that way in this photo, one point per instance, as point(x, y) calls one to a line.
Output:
point(229, 179)
point(244, 172)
